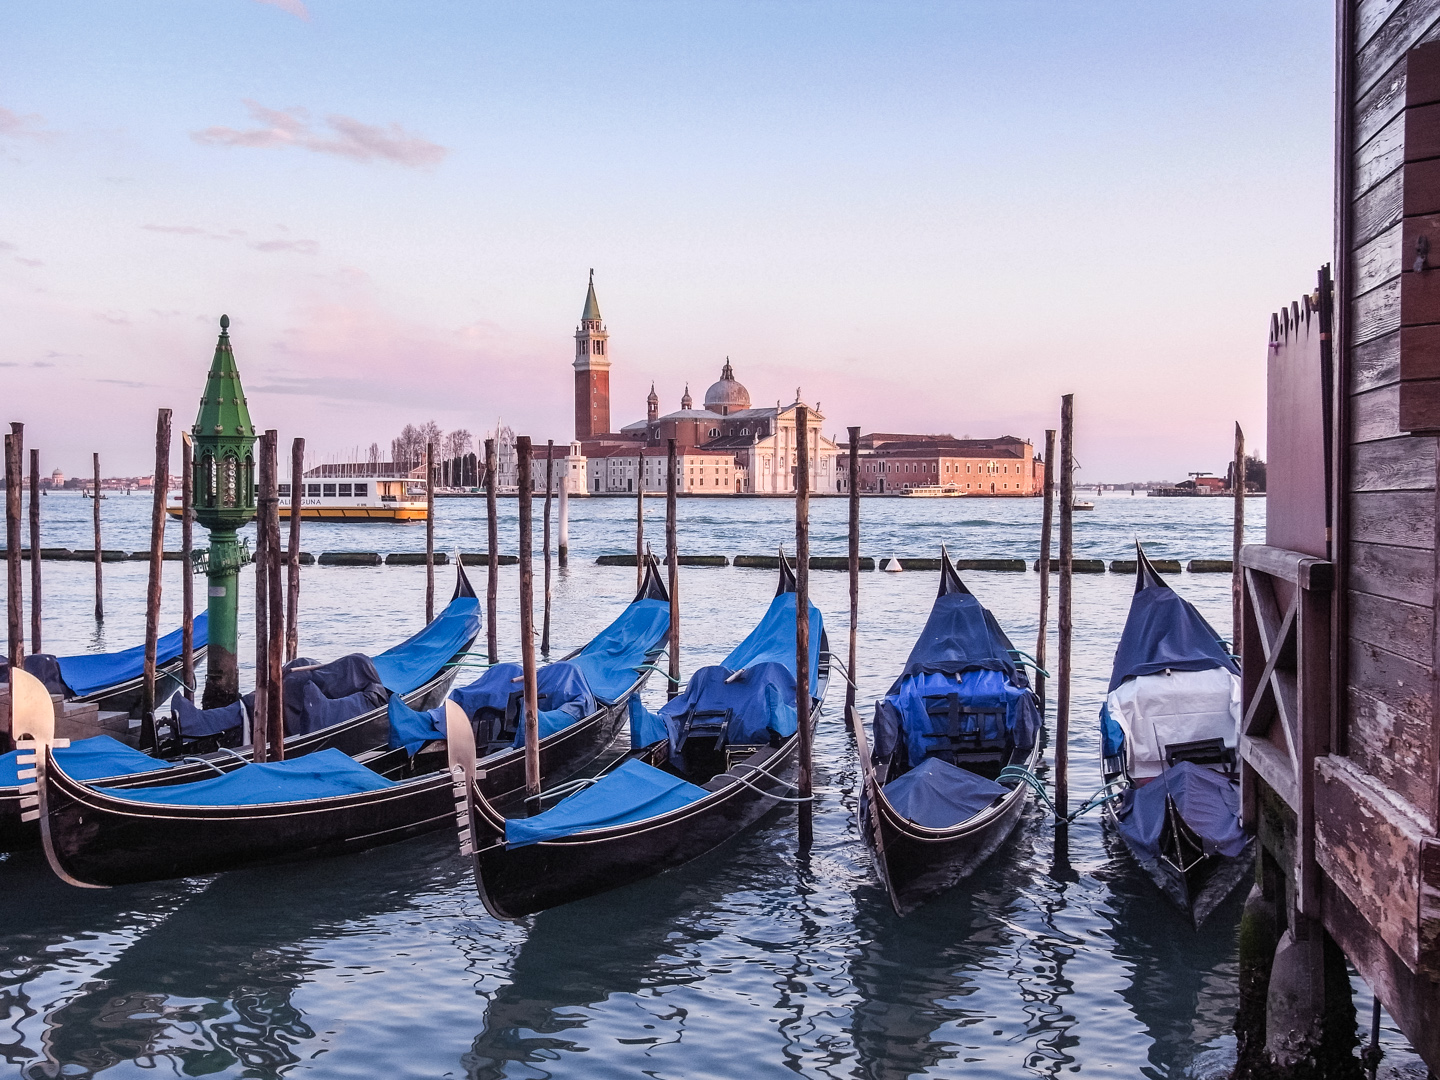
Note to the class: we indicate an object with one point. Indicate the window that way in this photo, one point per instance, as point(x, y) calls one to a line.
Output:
point(329, 491)
point(207, 478)
point(284, 491)
point(361, 490)
point(229, 480)
point(744, 431)
point(312, 491)
point(345, 490)
point(714, 433)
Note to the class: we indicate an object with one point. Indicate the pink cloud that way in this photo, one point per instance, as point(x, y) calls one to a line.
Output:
point(293, 7)
point(300, 247)
point(351, 138)
point(17, 126)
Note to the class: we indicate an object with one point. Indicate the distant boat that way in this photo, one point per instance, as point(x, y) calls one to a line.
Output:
point(87, 495)
point(1080, 504)
point(351, 499)
point(933, 491)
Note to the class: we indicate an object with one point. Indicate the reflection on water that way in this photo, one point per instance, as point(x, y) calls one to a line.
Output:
point(753, 962)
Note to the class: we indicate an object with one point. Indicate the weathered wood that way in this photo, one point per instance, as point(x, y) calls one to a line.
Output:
point(187, 571)
point(804, 781)
point(160, 486)
point(1405, 28)
point(1375, 415)
point(35, 584)
point(1370, 15)
point(1375, 263)
point(1376, 363)
point(1377, 312)
point(1384, 153)
point(1378, 209)
point(1400, 573)
point(672, 553)
point(853, 480)
point(1390, 678)
point(1422, 132)
point(292, 595)
point(275, 582)
point(1237, 542)
point(1047, 521)
point(1403, 518)
point(562, 551)
point(1422, 73)
point(527, 624)
point(640, 529)
point(1300, 569)
point(99, 554)
point(1402, 464)
point(14, 579)
point(1419, 406)
point(1391, 745)
point(1067, 556)
point(545, 543)
point(429, 533)
point(260, 728)
point(492, 536)
point(1377, 108)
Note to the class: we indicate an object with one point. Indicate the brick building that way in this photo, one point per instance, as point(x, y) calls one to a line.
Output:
point(890, 463)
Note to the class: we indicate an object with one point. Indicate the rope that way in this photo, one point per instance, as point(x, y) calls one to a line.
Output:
point(1022, 775)
point(753, 787)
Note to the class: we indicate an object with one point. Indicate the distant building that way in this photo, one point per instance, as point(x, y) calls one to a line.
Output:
point(57, 479)
point(890, 463)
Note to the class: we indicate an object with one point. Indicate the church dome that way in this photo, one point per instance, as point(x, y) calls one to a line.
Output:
point(727, 395)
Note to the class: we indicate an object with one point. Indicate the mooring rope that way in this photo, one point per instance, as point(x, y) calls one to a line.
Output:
point(1022, 775)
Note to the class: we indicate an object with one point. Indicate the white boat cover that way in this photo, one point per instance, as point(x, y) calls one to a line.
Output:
point(1157, 711)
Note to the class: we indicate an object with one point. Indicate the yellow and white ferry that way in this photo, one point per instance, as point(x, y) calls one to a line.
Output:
point(349, 499)
point(933, 491)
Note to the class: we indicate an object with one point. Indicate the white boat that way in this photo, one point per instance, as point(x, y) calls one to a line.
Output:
point(933, 491)
point(1081, 504)
point(349, 499)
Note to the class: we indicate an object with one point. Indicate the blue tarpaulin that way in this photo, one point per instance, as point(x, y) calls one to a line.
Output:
point(611, 662)
point(1208, 801)
point(1007, 713)
point(90, 672)
point(417, 660)
point(1164, 632)
point(646, 727)
point(938, 795)
point(88, 759)
point(195, 722)
point(632, 792)
point(960, 635)
point(320, 775)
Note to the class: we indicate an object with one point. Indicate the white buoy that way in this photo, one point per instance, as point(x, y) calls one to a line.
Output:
point(893, 566)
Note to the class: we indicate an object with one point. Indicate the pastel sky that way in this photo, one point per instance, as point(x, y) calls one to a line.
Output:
point(927, 216)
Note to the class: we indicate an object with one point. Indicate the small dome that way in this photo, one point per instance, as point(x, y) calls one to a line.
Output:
point(727, 395)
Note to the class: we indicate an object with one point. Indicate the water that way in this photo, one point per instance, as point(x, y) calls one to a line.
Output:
point(752, 962)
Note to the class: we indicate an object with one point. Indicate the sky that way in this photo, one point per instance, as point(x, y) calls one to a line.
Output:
point(927, 217)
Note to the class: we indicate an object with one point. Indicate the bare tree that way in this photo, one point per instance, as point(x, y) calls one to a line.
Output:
point(457, 443)
point(373, 455)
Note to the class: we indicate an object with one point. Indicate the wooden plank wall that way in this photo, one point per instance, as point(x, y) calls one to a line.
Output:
point(1388, 475)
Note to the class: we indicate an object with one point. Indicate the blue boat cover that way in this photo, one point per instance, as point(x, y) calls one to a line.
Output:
point(961, 635)
point(90, 672)
point(1208, 801)
point(646, 727)
point(1007, 713)
point(88, 759)
point(195, 722)
point(633, 792)
point(1164, 632)
point(320, 775)
point(938, 795)
point(417, 660)
point(611, 662)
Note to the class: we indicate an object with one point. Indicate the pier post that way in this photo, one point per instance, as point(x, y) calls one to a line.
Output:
point(292, 596)
point(492, 568)
point(527, 629)
point(1067, 557)
point(563, 523)
point(640, 525)
point(804, 781)
point(854, 573)
point(429, 533)
point(260, 718)
point(35, 551)
point(160, 486)
point(14, 577)
point(545, 543)
point(672, 558)
point(275, 601)
point(187, 572)
point(1047, 520)
point(1237, 579)
point(99, 562)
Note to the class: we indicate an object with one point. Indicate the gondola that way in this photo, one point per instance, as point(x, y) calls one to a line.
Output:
point(936, 800)
point(709, 765)
point(112, 681)
point(327, 803)
point(421, 669)
point(1169, 730)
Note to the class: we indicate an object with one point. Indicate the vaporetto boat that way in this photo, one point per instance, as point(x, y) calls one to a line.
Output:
point(350, 498)
point(933, 491)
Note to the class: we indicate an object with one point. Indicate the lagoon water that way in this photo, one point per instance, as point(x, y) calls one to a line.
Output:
point(753, 962)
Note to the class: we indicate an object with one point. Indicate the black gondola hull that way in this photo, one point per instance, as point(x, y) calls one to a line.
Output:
point(98, 839)
point(1196, 887)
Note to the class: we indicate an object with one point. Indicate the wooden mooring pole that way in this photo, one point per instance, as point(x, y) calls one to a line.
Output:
point(562, 550)
point(854, 482)
point(275, 582)
point(640, 525)
point(1067, 558)
point(1047, 521)
point(14, 577)
point(99, 562)
point(545, 543)
point(159, 484)
point(429, 533)
point(292, 561)
point(260, 717)
point(492, 561)
point(804, 781)
point(187, 572)
point(672, 560)
point(35, 552)
point(1237, 576)
point(527, 629)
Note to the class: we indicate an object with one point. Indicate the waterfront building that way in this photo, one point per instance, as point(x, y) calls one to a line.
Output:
point(1007, 466)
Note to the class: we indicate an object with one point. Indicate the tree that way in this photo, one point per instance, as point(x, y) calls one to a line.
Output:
point(374, 455)
point(456, 444)
point(1254, 473)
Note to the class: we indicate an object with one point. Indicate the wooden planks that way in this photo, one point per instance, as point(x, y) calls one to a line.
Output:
point(1400, 573)
point(1374, 364)
point(1402, 464)
point(1392, 746)
point(1401, 518)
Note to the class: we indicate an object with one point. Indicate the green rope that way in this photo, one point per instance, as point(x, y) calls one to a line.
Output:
point(1021, 775)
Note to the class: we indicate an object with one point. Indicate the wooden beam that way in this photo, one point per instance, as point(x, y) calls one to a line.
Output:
point(802, 624)
point(492, 568)
point(35, 560)
point(527, 628)
point(160, 482)
point(1047, 520)
point(187, 571)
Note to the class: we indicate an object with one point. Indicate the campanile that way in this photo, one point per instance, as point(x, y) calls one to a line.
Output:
point(592, 370)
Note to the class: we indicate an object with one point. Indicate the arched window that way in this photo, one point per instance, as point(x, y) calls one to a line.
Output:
point(207, 478)
point(229, 481)
point(714, 433)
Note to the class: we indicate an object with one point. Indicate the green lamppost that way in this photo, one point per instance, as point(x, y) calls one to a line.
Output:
point(224, 442)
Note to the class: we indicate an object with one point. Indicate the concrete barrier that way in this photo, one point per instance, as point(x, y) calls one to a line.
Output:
point(827, 562)
point(106, 555)
point(1127, 566)
point(1211, 566)
point(481, 558)
point(414, 558)
point(693, 560)
point(1079, 566)
point(61, 554)
point(987, 564)
point(350, 558)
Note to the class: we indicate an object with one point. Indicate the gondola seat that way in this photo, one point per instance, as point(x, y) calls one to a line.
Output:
point(323, 774)
point(632, 792)
point(938, 795)
point(88, 759)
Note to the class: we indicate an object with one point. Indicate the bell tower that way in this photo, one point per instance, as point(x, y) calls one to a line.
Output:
point(592, 370)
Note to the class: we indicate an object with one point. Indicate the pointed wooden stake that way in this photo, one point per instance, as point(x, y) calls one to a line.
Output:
point(804, 781)
point(672, 558)
point(160, 484)
point(1237, 576)
point(1067, 558)
point(14, 575)
point(35, 552)
point(492, 568)
point(187, 572)
point(854, 482)
point(99, 562)
point(1047, 520)
point(429, 532)
point(292, 561)
point(527, 628)
point(545, 543)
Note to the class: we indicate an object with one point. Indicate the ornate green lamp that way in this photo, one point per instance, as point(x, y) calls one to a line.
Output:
point(224, 448)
